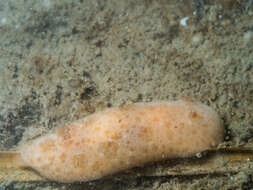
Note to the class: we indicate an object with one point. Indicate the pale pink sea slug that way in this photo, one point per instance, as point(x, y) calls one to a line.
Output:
point(121, 138)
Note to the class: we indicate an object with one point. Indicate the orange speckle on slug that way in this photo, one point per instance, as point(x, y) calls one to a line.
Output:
point(47, 145)
point(194, 115)
point(62, 157)
point(63, 132)
point(78, 161)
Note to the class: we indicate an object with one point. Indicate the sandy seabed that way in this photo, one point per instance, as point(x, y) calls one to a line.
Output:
point(62, 60)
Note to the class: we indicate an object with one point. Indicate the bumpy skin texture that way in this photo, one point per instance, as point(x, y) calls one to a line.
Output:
point(120, 138)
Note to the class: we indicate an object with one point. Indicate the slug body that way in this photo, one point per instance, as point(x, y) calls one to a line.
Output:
point(121, 138)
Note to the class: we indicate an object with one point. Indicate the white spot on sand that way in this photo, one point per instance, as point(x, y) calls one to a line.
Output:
point(3, 20)
point(183, 21)
point(248, 36)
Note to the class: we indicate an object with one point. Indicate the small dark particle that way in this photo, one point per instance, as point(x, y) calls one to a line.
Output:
point(58, 95)
point(86, 74)
point(87, 93)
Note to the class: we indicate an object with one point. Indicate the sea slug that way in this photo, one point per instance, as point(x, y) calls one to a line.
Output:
point(121, 138)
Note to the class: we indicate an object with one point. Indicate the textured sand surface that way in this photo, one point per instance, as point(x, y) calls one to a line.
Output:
point(61, 61)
